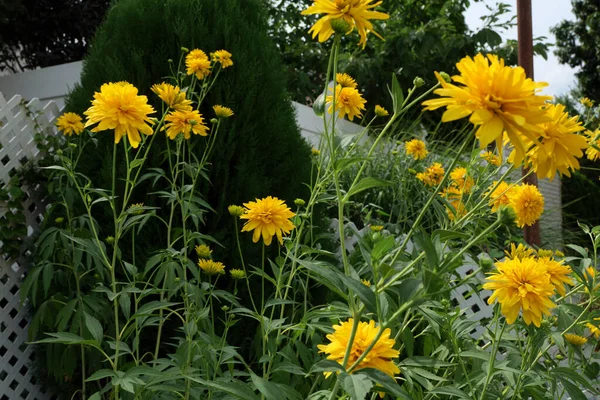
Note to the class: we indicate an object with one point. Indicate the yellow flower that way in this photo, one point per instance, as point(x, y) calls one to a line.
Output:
point(172, 96)
point(575, 340)
point(559, 145)
point(197, 62)
point(433, 175)
point(315, 152)
point(356, 13)
point(211, 267)
point(558, 273)
point(348, 101)
point(222, 112)
point(381, 112)
point(519, 252)
point(594, 330)
point(380, 357)
point(69, 123)
point(461, 180)
point(528, 204)
point(586, 102)
point(542, 253)
point(521, 285)
point(345, 80)
point(376, 228)
point(593, 140)
point(491, 158)
point(366, 282)
point(223, 57)
point(501, 195)
point(203, 251)
point(416, 148)
point(185, 122)
point(499, 99)
point(267, 217)
point(117, 106)
point(237, 274)
point(455, 198)
point(559, 254)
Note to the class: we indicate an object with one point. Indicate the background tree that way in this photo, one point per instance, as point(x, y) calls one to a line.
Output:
point(42, 33)
point(577, 45)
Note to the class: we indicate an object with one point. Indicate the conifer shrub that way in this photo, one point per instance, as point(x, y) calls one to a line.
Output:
point(259, 151)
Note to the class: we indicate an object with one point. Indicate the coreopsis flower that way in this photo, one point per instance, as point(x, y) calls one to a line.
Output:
point(223, 57)
point(491, 158)
point(186, 122)
point(416, 148)
point(500, 100)
point(197, 63)
point(521, 285)
point(69, 124)
point(235, 211)
point(380, 357)
point(345, 80)
point(586, 102)
point(356, 13)
point(593, 140)
point(519, 252)
point(558, 273)
point(461, 179)
point(237, 274)
point(559, 146)
point(211, 267)
point(501, 195)
point(348, 101)
point(172, 96)
point(454, 196)
point(594, 330)
point(118, 106)
point(433, 175)
point(575, 340)
point(528, 204)
point(222, 112)
point(366, 282)
point(203, 251)
point(267, 217)
point(380, 111)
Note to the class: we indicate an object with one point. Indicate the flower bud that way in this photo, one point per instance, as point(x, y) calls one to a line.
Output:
point(59, 220)
point(445, 76)
point(559, 357)
point(97, 277)
point(110, 240)
point(381, 112)
point(394, 152)
point(319, 105)
point(315, 152)
point(59, 152)
point(214, 120)
point(185, 49)
point(193, 122)
point(170, 60)
point(237, 274)
point(73, 145)
point(418, 81)
point(340, 26)
point(506, 215)
point(235, 211)
point(225, 308)
point(486, 263)
point(299, 202)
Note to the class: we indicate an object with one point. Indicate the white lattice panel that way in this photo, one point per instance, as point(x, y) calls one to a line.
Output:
point(18, 124)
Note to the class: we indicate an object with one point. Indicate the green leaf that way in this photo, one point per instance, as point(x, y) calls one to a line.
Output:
point(93, 325)
point(101, 374)
point(149, 308)
point(445, 235)
point(356, 385)
point(388, 383)
point(365, 293)
point(366, 183)
point(65, 338)
point(574, 392)
point(450, 391)
point(397, 95)
point(95, 396)
point(583, 252)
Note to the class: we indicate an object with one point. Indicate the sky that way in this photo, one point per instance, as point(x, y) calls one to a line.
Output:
point(545, 14)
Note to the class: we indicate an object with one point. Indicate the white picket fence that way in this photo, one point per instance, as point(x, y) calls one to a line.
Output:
point(18, 122)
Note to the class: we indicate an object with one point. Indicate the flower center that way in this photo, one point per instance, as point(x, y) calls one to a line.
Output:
point(525, 288)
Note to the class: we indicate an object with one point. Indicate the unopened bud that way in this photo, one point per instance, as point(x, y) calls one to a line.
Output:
point(225, 308)
point(486, 263)
point(506, 215)
point(235, 211)
point(299, 202)
point(110, 240)
point(418, 81)
point(445, 76)
point(394, 152)
point(185, 49)
point(59, 220)
point(59, 152)
point(214, 120)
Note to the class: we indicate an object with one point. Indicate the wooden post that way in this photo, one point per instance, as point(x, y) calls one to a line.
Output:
point(525, 41)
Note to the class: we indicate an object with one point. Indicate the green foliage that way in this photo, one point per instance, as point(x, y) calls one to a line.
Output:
point(576, 43)
point(261, 151)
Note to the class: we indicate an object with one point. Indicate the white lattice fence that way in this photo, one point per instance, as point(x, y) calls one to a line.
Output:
point(18, 123)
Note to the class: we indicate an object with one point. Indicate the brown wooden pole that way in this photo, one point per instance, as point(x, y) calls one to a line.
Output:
point(525, 40)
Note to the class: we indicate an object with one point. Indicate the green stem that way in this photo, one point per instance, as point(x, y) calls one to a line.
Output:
point(490, 369)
